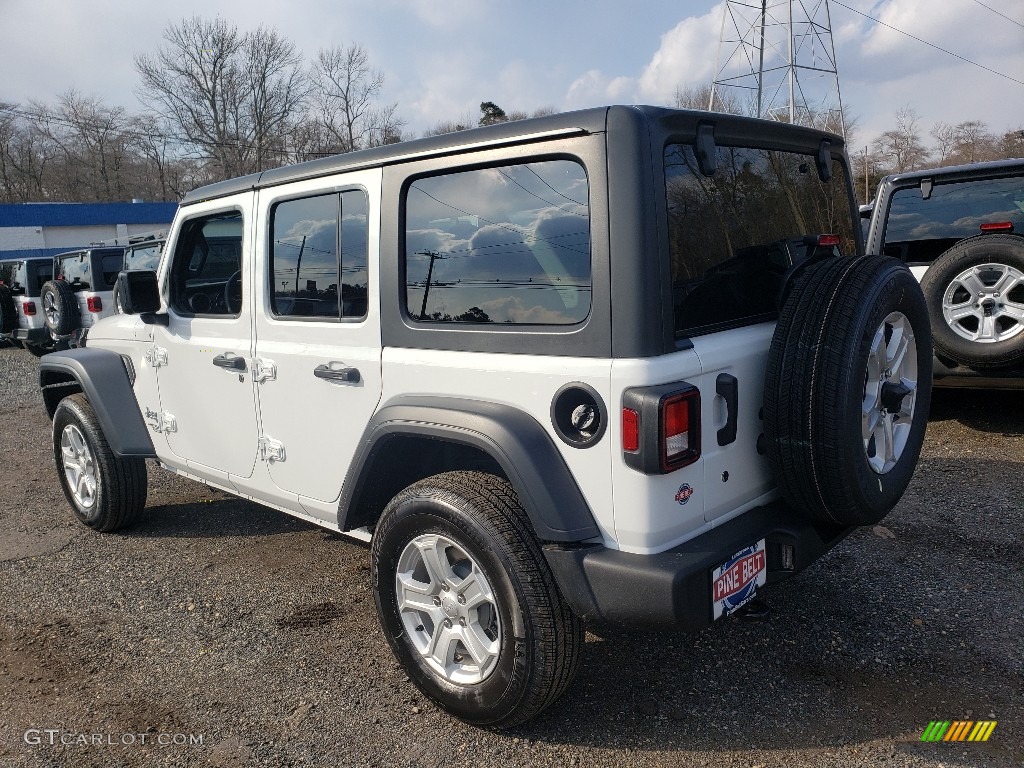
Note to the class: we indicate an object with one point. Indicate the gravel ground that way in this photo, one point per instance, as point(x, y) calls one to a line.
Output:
point(251, 636)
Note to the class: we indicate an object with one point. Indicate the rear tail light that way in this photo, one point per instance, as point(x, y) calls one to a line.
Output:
point(661, 427)
point(29, 308)
point(998, 226)
point(827, 241)
point(94, 303)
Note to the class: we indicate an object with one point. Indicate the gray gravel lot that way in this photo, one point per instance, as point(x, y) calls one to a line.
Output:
point(253, 633)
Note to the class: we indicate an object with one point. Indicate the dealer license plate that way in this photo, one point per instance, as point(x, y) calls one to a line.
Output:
point(734, 583)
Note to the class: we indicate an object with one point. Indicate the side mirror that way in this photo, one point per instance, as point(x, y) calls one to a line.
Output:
point(137, 292)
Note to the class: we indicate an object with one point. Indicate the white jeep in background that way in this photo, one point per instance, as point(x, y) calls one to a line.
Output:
point(21, 316)
point(81, 292)
point(607, 366)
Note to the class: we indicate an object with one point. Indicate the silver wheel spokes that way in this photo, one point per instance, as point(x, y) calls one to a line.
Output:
point(448, 609)
point(79, 466)
point(890, 392)
point(978, 306)
point(50, 309)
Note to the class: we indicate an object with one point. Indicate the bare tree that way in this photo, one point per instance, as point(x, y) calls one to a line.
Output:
point(901, 147)
point(230, 97)
point(347, 92)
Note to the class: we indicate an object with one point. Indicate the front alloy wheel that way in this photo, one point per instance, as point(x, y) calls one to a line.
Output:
point(79, 467)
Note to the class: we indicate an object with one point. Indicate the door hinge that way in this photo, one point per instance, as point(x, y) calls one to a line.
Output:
point(156, 356)
point(271, 450)
point(263, 370)
point(161, 421)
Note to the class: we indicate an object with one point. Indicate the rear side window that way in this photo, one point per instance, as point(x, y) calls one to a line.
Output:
point(509, 244)
point(143, 256)
point(110, 265)
point(43, 271)
point(12, 274)
point(318, 259)
point(734, 234)
point(206, 277)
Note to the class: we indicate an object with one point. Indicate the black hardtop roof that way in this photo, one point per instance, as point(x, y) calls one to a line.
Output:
point(92, 249)
point(968, 170)
point(592, 120)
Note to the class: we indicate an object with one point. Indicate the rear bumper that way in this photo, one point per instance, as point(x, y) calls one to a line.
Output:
point(32, 335)
point(673, 588)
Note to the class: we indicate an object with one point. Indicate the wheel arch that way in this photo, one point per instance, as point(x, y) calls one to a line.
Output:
point(101, 376)
point(423, 436)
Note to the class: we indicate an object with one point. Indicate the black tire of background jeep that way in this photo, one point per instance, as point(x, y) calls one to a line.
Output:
point(117, 494)
point(821, 375)
point(1005, 252)
point(60, 307)
point(536, 650)
point(8, 310)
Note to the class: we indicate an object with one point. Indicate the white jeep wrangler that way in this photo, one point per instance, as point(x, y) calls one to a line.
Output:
point(607, 366)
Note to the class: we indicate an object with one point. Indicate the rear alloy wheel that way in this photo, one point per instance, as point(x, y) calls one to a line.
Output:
point(847, 389)
point(975, 295)
point(468, 603)
point(60, 307)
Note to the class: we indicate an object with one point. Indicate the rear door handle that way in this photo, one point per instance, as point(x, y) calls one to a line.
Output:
point(728, 387)
point(230, 362)
point(348, 375)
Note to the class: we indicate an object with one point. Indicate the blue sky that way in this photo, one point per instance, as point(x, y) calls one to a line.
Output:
point(441, 58)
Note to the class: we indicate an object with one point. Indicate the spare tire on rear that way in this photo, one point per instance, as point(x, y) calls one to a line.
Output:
point(60, 307)
point(8, 310)
point(847, 389)
point(975, 295)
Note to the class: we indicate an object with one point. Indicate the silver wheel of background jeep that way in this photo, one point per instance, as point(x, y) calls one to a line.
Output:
point(448, 609)
point(890, 392)
point(976, 304)
point(79, 466)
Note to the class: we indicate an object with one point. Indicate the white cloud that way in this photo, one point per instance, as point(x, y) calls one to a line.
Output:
point(685, 58)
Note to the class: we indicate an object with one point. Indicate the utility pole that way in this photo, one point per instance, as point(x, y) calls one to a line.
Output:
point(298, 263)
point(434, 256)
point(781, 57)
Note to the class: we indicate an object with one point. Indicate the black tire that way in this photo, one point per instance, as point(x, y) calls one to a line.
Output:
point(60, 307)
point(1006, 252)
point(8, 310)
point(541, 639)
point(816, 385)
point(118, 493)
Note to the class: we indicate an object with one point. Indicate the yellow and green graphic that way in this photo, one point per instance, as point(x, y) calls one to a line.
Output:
point(958, 730)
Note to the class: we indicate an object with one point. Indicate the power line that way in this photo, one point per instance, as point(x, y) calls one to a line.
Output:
point(997, 13)
point(931, 45)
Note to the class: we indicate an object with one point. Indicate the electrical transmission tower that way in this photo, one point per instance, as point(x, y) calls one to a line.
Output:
point(776, 59)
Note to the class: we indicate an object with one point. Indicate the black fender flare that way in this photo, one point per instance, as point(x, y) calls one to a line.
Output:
point(101, 375)
point(513, 439)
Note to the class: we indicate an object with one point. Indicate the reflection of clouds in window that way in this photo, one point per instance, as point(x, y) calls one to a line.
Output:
point(954, 210)
point(483, 234)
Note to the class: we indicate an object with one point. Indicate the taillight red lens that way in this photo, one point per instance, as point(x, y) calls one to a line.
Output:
point(29, 307)
point(828, 240)
point(998, 226)
point(675, 419)
point(95, 304)
point(630, 430)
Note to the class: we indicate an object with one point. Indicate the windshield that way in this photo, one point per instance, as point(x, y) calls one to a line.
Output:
point(734, 234)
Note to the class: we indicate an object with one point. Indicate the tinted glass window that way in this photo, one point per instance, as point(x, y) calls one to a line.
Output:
point(306, 271)
point(206, 276)
point(734, 234)
point(500, 245)
point(43, 271)
point(77, 272)
point(111, 264)
point(143, 256)
point(920, 229)
point(7, 272)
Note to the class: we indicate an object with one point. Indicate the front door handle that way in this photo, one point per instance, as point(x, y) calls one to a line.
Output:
point(230, 362)
point(348, 375)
